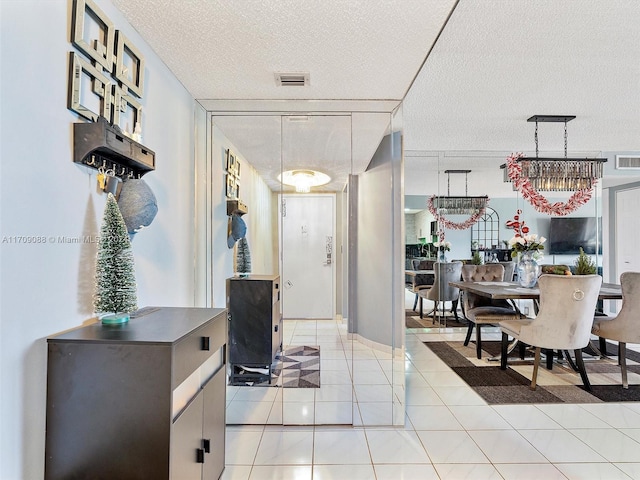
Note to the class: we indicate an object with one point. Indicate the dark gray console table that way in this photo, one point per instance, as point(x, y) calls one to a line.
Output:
point(143, 400)
point(255, 326)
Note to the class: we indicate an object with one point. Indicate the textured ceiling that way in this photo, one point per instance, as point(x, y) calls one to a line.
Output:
point(496, 63)
point(356, 49)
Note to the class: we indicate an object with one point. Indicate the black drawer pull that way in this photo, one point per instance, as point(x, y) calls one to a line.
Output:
point(199, 455)
point(206, 343)
point(206, 445)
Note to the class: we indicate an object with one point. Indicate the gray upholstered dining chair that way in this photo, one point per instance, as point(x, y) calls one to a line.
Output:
point(441, 291)
point(563, 321)
point(421, 281)
point(479, 310)
point(624, 327)
point(509, 270)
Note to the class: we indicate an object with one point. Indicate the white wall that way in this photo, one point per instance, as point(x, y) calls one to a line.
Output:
point(375, 247)
point(46, 288)
point(262, 211)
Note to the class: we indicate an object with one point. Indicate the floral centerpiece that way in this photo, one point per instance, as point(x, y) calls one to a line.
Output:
point(526, 247)
point(442, 246)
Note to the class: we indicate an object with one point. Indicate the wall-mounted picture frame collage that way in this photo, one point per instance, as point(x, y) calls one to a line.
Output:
point(232, 181)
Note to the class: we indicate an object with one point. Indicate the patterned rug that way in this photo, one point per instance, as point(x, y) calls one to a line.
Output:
point(559, 385)
point(301, 367)
point(295, 367)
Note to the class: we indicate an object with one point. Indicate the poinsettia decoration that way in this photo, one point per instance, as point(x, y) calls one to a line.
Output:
point(523, 241)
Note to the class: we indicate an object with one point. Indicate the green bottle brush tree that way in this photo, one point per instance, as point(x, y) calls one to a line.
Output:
point(115, 282)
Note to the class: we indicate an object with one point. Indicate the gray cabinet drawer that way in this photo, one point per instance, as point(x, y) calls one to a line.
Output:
point(193, 350)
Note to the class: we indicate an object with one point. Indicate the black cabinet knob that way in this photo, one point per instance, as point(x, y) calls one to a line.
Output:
point(199, 455)
point(206, 343)
point(206, 445)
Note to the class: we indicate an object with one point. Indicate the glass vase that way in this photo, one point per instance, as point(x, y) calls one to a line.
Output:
point(528, 269)
point(442, 256)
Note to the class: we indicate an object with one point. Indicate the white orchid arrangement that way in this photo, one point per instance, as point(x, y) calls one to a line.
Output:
point(442, 245)
point(527, 243)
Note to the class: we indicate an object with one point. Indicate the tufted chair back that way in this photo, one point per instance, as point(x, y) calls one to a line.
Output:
point(490, 272)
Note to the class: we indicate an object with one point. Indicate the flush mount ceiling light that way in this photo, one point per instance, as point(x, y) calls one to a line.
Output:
point(439, 206)
point(304, 179)
point(531, 175)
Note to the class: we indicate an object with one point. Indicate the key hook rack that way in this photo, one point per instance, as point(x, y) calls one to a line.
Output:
point(101, 145)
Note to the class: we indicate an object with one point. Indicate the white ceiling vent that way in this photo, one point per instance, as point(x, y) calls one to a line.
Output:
point(292, 79)
point(627, 162)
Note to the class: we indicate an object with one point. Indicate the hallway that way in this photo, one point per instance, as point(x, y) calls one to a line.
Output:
point(449, 433)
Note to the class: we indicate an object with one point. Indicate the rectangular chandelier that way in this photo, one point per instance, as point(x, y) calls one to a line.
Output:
point(448, 205)
point(559, 174)
point(460, 205)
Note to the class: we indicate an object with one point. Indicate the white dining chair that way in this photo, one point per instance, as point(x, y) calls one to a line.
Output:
point(624, 327)
point(563, 321)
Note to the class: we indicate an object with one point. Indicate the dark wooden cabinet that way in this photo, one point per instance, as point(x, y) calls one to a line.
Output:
point(255, 326)
point(141, 400)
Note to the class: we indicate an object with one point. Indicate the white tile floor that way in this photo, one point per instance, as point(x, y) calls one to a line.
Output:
point(449, 433)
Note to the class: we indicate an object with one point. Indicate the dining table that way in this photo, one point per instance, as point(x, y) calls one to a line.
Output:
point(512, 291)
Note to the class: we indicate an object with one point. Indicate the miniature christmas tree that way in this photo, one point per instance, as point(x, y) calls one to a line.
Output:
point(584, 264)
point(243, 257)
point(115, 273)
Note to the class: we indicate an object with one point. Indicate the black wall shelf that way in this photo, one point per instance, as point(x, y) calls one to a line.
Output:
point(99, 144)
point(236, 207)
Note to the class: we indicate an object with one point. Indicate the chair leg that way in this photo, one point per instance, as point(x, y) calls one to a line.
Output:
point(573, 366)
point(478, 342)
point(503, 351)
point(549, 354)
point(469, 330)
point(583, 372)
point(603, 346)
point(522, 348)
point(415, 302)
point(536, 364)
point(421, 299)
point(622, 356)
point(454, 308)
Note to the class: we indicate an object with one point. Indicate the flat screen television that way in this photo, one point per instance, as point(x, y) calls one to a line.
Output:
point(568, 234)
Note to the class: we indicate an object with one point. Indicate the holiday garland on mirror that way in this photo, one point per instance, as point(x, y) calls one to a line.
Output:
point(115, 281)
point(446, 223)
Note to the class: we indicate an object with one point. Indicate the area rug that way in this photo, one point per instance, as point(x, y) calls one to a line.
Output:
point(413, 320)
point(294, 367)
point(301, 367)
point(559, 385)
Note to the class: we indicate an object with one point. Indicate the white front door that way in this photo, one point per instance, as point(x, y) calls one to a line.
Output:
point(308, 256)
